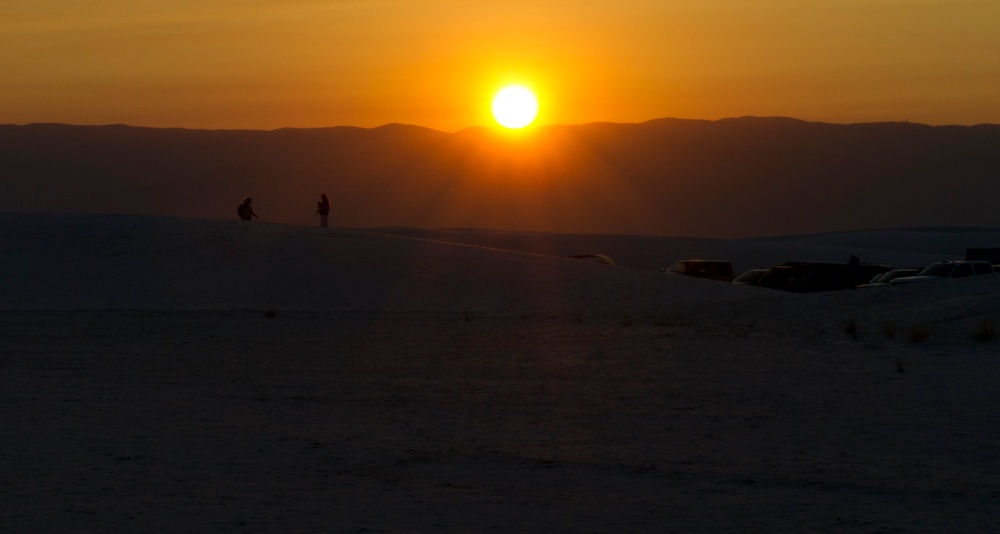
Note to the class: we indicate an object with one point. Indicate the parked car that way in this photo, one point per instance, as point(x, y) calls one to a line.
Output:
point(750, 278)
point(885, 278)
point(710, 269)
point(776, 277)
point(595, 258)
point(866, 271)
point(943, 270)
point(814, 276)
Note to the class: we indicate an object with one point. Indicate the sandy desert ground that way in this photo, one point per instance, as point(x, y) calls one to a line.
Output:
point(164, 374)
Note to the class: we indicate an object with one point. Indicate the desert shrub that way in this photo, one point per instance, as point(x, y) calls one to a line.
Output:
point(270, 313)
point(900, 366)
point(851, 329)
point(889, 329)
point(985, 332)
point(919, 332)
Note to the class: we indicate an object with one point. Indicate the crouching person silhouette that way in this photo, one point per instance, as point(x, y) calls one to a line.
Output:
point(245, 211)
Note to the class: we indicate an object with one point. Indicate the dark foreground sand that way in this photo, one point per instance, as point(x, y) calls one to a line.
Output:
point(412, 385)
point(422, 422)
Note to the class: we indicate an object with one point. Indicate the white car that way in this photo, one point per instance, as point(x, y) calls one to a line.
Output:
point(947, 269)
point(884, 279)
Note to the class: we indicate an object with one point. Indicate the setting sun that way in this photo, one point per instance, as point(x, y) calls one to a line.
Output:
point(515, 106)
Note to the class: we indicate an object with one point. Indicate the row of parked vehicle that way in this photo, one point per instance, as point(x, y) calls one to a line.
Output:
point(813, 276)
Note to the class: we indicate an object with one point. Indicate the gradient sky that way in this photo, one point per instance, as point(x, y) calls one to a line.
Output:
point(267, 64)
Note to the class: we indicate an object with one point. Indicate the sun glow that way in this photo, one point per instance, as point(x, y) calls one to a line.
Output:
point(515, 106)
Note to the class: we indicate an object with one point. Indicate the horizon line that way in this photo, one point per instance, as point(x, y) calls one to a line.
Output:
point(497, 127)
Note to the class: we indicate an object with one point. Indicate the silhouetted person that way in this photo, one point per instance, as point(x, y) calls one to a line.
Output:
point(853, 263)
point(245, 211)
point(323, 209)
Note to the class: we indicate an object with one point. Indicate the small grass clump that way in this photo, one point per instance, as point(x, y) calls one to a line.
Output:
point(919, 332)
point(985, 332)
point(270, 313)
point(889, 329)
point(900, 366)
point(851, 329)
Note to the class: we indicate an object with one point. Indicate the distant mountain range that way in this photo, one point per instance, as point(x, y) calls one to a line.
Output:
point(729, 178)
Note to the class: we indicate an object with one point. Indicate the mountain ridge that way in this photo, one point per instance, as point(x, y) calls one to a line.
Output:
point(738, 177)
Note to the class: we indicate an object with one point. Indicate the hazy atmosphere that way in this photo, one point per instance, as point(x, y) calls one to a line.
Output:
point(265, 64)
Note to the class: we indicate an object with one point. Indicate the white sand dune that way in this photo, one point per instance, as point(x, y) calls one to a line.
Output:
point(405, 383)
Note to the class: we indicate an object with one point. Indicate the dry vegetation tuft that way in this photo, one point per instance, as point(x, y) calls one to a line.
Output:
point(985, 332)
point(919, 332)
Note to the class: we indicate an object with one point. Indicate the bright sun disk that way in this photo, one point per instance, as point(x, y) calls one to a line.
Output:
point(515, 106)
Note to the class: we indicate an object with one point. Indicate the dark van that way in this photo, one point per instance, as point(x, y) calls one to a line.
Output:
point(814, 276)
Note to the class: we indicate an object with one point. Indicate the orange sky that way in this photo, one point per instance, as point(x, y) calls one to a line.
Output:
point(267, 64)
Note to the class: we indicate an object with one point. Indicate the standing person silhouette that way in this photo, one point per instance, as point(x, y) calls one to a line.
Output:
point(245, 211)
point(323, 209)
